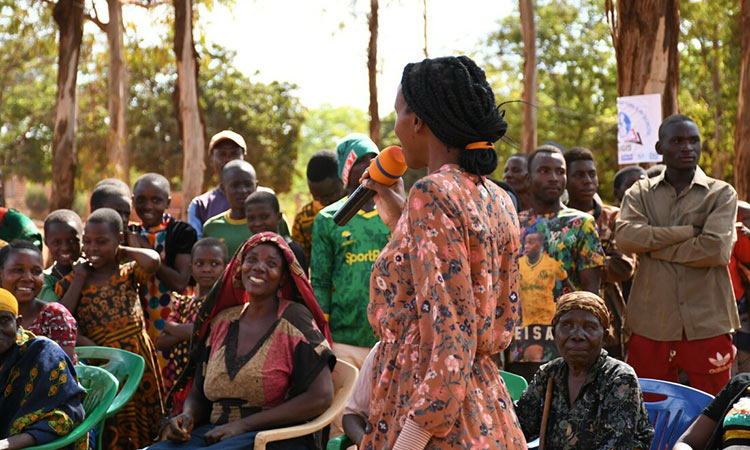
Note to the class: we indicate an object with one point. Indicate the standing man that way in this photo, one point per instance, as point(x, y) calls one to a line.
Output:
point(569, 236)
point(583, 183)
point(681, 223)
point(342, 257)
point(516, 174)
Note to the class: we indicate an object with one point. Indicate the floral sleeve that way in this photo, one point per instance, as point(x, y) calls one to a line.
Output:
point(445, 307)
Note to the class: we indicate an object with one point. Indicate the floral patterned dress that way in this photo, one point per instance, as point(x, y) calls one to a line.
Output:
point(444, 297)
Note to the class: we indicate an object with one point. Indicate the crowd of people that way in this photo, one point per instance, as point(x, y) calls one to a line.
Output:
point(241, 318)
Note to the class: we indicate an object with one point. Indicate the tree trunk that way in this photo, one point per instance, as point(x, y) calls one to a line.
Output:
point(645, 34)
point(372, 67)
point(117, 135)
point(528, 34)
point(742, 127)
point(717, 166)
point(424, 13)
point(189, 117)
point(69, 17)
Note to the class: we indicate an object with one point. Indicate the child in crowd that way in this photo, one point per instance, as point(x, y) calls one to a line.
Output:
point(209, 257)
point(262, 213)
point(115, 194)
point(21, 274)
point(172, 239)
point(739, 270)
point(102, 294)
point(326, 187)
point(62, 236)
point(237, 180)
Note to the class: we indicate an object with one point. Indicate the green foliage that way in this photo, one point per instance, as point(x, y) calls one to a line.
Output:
point(36, 200)
point(577, 76)
point(27, 88)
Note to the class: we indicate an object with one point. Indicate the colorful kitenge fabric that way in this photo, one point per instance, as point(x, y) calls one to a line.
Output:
point(111, 316)
point(443, 299)
point(40, 393)
point(302, 230)
point(57, 323)
point(14, 225)
point(282, 364)
point(341, 264)
point(608, 413)
point(156, 297)
point(569, 237)
point(184, 310)
point(736, 426)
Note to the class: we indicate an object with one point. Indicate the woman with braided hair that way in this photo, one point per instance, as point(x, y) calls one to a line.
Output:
point(444, 290)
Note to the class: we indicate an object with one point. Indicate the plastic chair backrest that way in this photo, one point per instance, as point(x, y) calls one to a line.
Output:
point(101, 389)
point(673, 415)
point(339, 443)
point(126, 366)
point(516, 384)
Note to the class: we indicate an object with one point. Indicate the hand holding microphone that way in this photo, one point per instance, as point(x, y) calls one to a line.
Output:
point(384, 172)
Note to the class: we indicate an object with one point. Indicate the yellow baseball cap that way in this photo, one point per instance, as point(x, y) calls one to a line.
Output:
point(227, 135)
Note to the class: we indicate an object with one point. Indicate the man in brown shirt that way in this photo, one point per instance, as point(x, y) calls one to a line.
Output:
point(583, 183)
point(681, 223)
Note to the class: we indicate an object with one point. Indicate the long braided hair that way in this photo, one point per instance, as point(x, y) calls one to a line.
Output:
point(453, 97)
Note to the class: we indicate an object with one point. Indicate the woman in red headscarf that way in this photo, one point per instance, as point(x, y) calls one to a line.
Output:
point(262, 357)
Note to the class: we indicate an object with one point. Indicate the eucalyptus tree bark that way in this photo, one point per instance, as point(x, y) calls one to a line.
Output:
point(192, 127)
point(69, 17)
point(117, 135)
point(645, 34)
point(528, 34)
point(372, 68)
point(742, 127)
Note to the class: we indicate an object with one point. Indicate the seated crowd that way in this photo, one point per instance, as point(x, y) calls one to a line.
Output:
point(241, 321)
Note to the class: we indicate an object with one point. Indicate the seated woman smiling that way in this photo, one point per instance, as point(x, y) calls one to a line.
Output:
point(261, 360)
point(594, 401)
point(41, 399)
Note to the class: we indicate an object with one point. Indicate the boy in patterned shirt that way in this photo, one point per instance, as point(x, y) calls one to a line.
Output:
point(342, 257)
point(570, 238)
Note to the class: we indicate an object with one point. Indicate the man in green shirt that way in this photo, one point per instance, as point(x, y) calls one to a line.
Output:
point(342, 257)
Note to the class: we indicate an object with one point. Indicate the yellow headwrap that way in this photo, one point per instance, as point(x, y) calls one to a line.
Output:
point(586, 301)
point(8, 302)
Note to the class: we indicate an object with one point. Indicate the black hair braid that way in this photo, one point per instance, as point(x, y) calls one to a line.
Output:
point(453, 97)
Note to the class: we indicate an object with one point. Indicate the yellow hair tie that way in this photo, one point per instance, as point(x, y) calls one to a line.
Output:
point(8, 302)
point(482, 145)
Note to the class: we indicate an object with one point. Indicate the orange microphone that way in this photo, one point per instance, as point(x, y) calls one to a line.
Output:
point(386, 169)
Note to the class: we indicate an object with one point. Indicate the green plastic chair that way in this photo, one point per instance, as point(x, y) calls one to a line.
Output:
point(101, 389)
point(127, 367)
point(516, 384)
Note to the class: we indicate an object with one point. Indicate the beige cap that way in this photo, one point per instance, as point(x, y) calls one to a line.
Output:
point(227, 135)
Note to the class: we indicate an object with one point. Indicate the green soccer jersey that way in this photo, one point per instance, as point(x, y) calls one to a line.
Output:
point(232, 232)
point(340, 266)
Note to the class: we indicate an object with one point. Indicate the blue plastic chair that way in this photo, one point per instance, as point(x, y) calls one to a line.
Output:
point(673, 415)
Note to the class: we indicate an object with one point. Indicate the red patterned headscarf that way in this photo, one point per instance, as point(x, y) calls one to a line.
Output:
point(229, 291)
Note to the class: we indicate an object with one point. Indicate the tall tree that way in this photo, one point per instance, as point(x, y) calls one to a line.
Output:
point(645, 34)
point(117, 99)
point(424, 15)
point(69, 17)
point(742, 128)
point(528, 34)
point(372, 72)
point(190, 119)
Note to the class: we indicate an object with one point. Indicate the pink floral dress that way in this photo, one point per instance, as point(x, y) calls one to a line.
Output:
point(443, 298)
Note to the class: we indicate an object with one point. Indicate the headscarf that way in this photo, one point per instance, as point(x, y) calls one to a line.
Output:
point(229, 291)
point(350, 149)
point(586, 301)
point(8, 302)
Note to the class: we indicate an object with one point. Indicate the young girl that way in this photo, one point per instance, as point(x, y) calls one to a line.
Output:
point(21, 274)
point(173, 239)
point(62, 236)
point(209, 257)
point(103, 296)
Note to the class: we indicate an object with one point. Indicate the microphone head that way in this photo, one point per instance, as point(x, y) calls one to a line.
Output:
point(388, 166)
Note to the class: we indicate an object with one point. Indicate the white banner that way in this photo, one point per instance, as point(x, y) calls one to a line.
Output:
point(638, 119)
